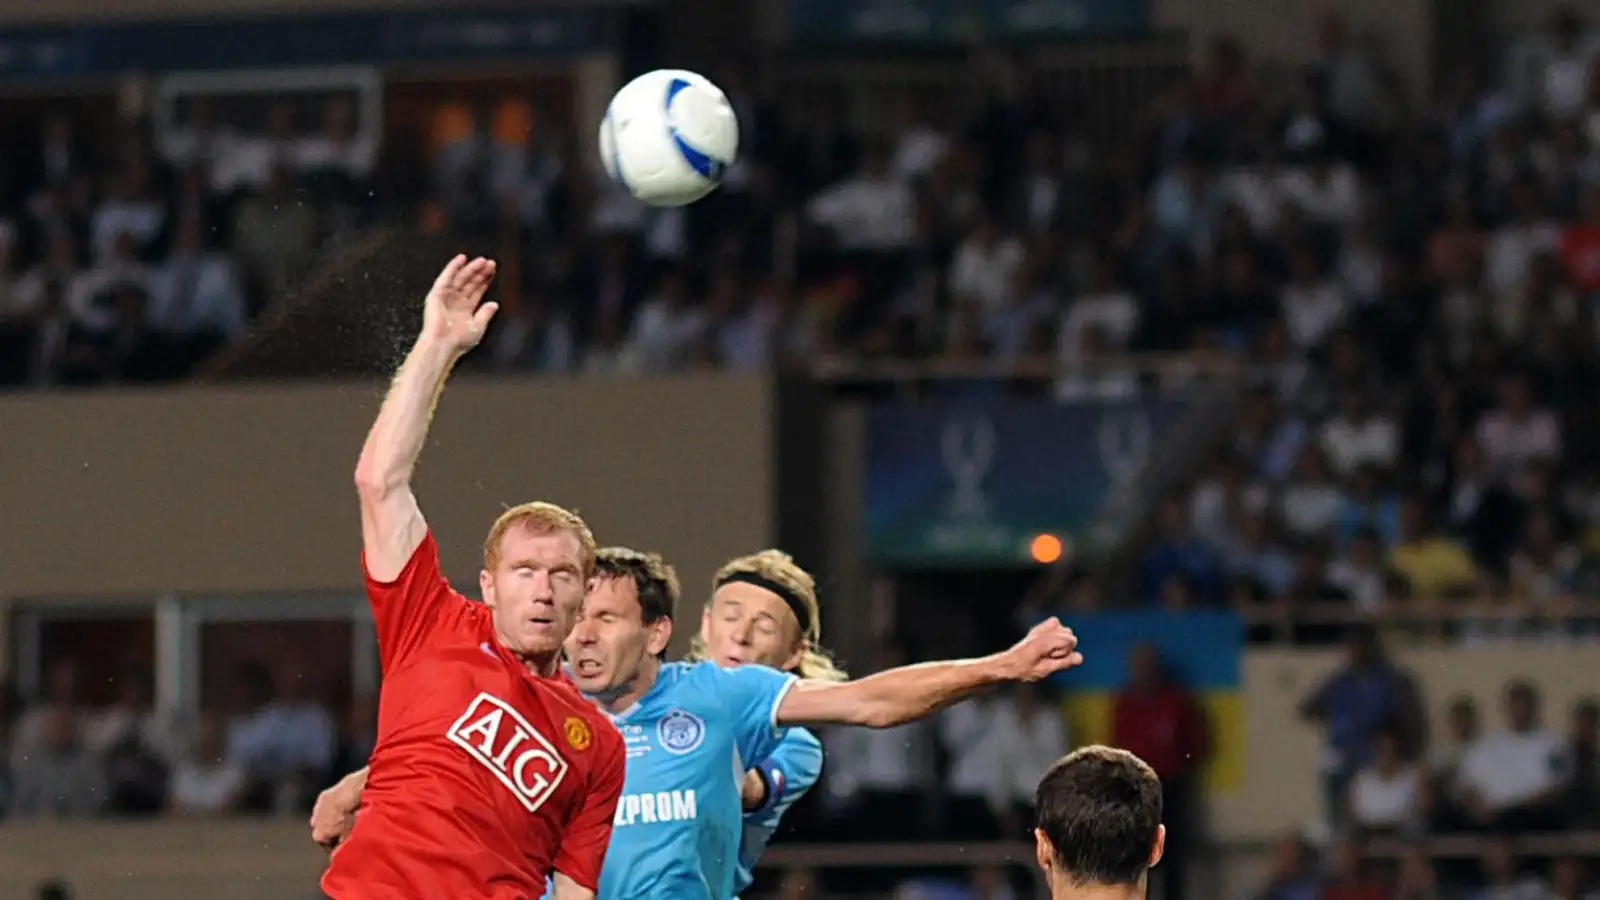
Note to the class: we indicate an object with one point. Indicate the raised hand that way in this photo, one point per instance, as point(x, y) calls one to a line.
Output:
point(1049, 648)
point(454, 312)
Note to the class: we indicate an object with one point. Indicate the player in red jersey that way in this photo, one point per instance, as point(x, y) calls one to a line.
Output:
point(491, 773)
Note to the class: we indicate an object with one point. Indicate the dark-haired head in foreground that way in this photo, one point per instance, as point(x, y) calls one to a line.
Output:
point(1099, 829)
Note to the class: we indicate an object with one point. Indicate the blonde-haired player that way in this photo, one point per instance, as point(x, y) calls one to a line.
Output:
point(764, 611)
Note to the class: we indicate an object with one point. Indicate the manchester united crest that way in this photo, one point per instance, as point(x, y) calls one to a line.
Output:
point(578, 733)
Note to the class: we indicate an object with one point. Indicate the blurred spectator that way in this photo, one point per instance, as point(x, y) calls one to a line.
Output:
point(1478, 508)
point(1512, 248)
point(974, 785)
point(34, 725)
point(985, 266)
point(1176, 552)
point(1107, 305)
point(133, 207)
point(135, 777)
point(1156, 718)
point(1580, 244)
point(1030, 735)
point(1255, 557)
point(1360, 572)
point(1418, 878)
point(1503, 878)
point(1565, 83)
point(59, 777)
point(1310, 500)
point(137, 746)
point(1388, 795)
point(1543, 568)
point(133, 714)
point(1358, 437)
point(669, 326)
point(1293, 875)
point(1221, 496)
point(197, 140)
point(1353, 875)
point(283, 741)
point(1569, 880)
point(44, 306)
point(874, 777)
point(339, 148)
point(1513, 778)
point(1433, 565)
point(868, 211)
point(1269, 437)
point(61, 154)
point(275, 233)
point(1362, 697)
point(1516, 432)
point(1312, 304)
point(205, 781)
point(1462, 730)
point(197, 302)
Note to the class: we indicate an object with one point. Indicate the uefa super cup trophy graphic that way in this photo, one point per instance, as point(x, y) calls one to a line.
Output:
point(967, 447)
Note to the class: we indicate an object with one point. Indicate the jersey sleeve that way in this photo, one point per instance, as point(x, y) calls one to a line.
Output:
point(417, 603)
point(753, 694)
point(789, 772)
point(583, 845)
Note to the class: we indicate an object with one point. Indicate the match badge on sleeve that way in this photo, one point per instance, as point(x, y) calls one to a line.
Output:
point(578, 733)
point(680, 732)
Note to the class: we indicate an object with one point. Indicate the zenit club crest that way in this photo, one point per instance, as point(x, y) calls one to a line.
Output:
point(680, 732)
point(578, 734)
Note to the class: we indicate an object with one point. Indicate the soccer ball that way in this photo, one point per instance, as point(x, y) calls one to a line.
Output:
point(668, 136)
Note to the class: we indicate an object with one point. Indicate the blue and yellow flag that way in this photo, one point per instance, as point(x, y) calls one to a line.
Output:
point(1202, 651)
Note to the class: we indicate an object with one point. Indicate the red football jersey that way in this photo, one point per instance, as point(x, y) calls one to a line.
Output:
point(485, 777)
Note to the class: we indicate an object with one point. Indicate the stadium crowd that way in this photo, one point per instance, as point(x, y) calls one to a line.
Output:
point(1414, 290)
point(134, 256)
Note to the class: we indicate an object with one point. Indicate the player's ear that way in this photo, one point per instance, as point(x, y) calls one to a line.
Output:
point(486, 587)
point(1044, 853)
point(1160, 846)
point(660, 635)
point(793, 662)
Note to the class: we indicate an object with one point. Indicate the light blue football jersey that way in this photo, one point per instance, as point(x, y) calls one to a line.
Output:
point(789, 771)
point(689, 740)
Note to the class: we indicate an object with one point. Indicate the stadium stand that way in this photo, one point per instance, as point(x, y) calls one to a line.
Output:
point(1408, 294)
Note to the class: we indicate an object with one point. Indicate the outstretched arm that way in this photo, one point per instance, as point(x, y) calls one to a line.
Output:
point(453, 322)
point(900, 695)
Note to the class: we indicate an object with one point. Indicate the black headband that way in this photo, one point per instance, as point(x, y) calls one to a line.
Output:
point(801, 614)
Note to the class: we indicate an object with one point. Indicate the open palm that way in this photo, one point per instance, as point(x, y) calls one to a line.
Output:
point(454, 311)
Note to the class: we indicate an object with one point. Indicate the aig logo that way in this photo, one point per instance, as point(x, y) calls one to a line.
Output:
point(500, 738)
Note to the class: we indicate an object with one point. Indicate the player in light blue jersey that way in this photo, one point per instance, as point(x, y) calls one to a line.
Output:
point(692, 729)
point(764, 611)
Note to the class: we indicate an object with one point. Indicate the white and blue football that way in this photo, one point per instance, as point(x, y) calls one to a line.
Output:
point(668, 137)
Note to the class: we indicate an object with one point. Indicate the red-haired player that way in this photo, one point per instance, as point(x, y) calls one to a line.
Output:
point(491, 773)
